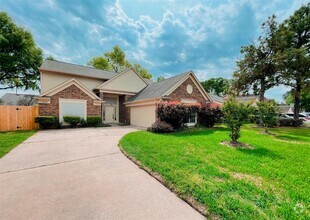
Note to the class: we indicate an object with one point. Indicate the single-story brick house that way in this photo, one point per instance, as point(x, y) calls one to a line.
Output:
point(126, 97)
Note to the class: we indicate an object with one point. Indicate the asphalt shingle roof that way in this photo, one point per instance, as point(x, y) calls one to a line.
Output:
point(75, 69)
point(15, 99)
point(149, 81)
point(158, 89)
point(215, 98)
point(248, 98)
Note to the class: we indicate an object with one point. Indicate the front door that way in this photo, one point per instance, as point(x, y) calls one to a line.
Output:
point(110, 114)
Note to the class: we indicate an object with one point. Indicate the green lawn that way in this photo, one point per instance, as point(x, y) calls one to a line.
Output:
point(9, 140)
point(271, 181)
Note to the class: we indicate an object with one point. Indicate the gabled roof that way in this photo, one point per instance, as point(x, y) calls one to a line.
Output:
point(149, 81)
point(68, 83)
point(284, 108)
point(216, 98)
point(165, 88)
point(158, 89)
point(74, 69)
point(119, 75)
point(248, 98)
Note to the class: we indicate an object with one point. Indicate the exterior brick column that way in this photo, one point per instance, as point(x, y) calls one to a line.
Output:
point(124, 112)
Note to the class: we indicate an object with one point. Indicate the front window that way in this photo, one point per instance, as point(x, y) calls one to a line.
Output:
point(191, 119)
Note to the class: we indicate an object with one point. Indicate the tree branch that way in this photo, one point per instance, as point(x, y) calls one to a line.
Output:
point(9, 87)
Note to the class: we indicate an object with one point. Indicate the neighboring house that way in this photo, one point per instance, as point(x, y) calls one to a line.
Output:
point(126, 97)
point(216, 101)
point(252, 99)
point(283, 108)
point(18, 99)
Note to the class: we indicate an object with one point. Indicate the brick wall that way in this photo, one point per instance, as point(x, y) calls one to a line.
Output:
point(124, 112)
point(72, 92)
point(181, 93)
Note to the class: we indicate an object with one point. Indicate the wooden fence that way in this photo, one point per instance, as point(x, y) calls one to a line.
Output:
point(14, 118)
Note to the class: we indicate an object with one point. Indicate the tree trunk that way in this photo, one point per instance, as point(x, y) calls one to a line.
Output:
point(297, 100)
point(262, 90)
point(261, 97)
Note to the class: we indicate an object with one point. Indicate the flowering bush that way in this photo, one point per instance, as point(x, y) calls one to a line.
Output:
point(208, 116)
point(174, 112)
point(160, 127)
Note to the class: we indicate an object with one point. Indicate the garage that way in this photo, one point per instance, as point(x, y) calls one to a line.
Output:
point(72, 107)
point(142, 116)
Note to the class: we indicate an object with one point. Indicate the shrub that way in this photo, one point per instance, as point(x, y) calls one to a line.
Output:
point(235, 115)
point(290, 122)
point(207, 116)
point(160, 127)
point(83, 123)
point(72, 120)
point(174, 113)
point(267, 112)
point(93, 121)
point(218, 114)
point(46, 122)
point(253, 115)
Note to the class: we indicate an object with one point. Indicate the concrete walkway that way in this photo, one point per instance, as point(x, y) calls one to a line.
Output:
point(81, 174)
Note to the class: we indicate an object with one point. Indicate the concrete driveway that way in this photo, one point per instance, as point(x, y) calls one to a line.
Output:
point(81, 174)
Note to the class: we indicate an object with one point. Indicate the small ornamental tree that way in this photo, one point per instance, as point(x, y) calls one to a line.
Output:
point(174, 112)
point(267, 111)
point(235, 115)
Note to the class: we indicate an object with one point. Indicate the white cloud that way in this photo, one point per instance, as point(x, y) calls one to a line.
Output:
point(205, 37)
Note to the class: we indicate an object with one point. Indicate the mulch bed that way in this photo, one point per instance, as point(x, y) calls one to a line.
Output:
point(237, 145)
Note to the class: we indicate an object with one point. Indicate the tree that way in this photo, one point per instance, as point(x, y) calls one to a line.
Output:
point(268, 111)
point(116, 61)
point(288, 97)
point(257, 70)
point(50, 57)
point(304, 99)
point(218, 86)
point(160, 78)
point(100, 63)
point(26, 101)
point(19, 56)
point(142, 71)
point(235, 115)
point(293, 53)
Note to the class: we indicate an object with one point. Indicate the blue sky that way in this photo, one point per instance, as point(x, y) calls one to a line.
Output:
point(166, 37)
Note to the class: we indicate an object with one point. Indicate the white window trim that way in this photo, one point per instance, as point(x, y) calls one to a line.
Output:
point(192, 123)
point(62, 100)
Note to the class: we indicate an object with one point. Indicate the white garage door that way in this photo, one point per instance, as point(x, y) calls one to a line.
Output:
point(143, 116)
point(72, 107)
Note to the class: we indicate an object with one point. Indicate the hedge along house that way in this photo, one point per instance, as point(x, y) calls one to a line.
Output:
point(126, 97)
